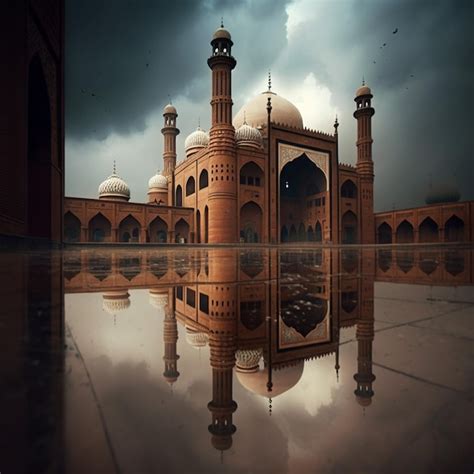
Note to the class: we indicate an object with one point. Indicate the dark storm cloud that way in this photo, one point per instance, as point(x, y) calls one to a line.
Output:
point(124, 58)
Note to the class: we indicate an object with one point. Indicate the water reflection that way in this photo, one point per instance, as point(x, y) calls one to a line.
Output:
point(235, 336)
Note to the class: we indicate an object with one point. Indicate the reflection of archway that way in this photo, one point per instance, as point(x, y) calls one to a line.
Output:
point(349, 189)
point(405, 234)
point(251, 222)
point(203, 179)
point(349, 228)
point(405, 260)
point(39, 153)
point(129, 267)
point(158, 230)
point(179, 195)
point(99, 229)
point(428, 231)
point(284, 237)
point(318, 232)
point(384, 234)
point(99, 266)
point(251, 262)
point(303, 186)
point(72, 228)
point(158, 265)
point(428, 262)
point(349, 260)
point(129, 229)
point(181, 232)
point(454, 262)
point(349, 300)
point(251, 314)
point(384, 258)
point(454, 229)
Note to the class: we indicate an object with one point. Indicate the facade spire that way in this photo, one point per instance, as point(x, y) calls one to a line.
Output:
point(336, 125)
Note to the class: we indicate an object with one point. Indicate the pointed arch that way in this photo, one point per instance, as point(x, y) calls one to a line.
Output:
point(203, 179)
point(284, 237)
point(251, 174)
point(384, 233)
point(349, 228)
point(318, 232)
point(179, 196)
point(293, 235)
point(349, 189)
point(158, 230)
point(405, 233)
point(454, 229)
point(100, 229)
point(181, 232)
point(190, 186)
point(428, 231)
point(428, 262)
point(72, 227)
point(405, 260)
point(310, 236)
point(129, 229)
point(251, 217)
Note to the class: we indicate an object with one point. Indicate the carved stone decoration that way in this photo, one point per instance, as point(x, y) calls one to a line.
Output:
point(287, 153)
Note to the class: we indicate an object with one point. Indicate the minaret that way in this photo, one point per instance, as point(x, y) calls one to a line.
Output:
point(170, 132)
point(170, 339)
point(365, 331)
point(222, 194)
point(365, 165)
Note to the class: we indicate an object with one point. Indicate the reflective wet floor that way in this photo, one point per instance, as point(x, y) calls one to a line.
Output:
point(298, 360)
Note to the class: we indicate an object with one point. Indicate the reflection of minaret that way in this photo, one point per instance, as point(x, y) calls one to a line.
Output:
point(222, 345)
point(170, 339)
point(365, 332)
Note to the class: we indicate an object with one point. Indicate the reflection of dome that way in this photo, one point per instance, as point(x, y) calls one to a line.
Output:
point(222, 442)
point(114, 187)
point(247, 360)
point(364, 401)
point(363, 90)
point(247, 135)
point(221, 33)
point(195, 338)
point(283, 379)
point(196, 140)
point(159, 298)
point(115, 301)
point(283, 111)
point(170, 109)
point(158, 181)
point(443, 194)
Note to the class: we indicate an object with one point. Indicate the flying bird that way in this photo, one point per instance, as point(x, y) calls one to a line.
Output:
point(395, 31)
point(385, 44)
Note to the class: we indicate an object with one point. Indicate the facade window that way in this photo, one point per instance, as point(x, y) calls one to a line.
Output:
point(204, 303)
point(191, 297)
point(179, 293)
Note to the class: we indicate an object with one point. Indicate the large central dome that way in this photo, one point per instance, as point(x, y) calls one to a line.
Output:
point(254, 112)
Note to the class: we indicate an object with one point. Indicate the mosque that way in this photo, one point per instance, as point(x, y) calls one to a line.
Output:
point(259, 176)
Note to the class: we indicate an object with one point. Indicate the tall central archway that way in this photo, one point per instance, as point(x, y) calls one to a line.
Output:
point(303, 197)
point(251, 222)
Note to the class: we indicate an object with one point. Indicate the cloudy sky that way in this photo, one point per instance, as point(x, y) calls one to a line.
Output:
point(124, 59)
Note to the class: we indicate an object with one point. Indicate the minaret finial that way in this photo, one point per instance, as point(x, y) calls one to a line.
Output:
point(363, 80)
point(336, 124)
point(115, 168)
point(222, 22)
point(199, 123)
point(169, 100)
point(269, 80)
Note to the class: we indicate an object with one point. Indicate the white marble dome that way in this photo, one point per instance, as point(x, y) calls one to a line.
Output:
point(195, 338)
point(254, 112)
point(114, 187)
point(115, 301)
point(196, 140)
point(158, 181)
point(248, 135)
point(247, 360)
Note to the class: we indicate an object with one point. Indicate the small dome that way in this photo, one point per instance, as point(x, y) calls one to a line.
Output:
point(221, 33)
point(363, 90)
point(114, 187)
point(158, 181)
point(159, 298)
point(247, 360)
point(283, 380)
point(195, 338)
point(115, 301)
point(254, 112)
point(196, 140)
point(247, 135)
point(170, 109)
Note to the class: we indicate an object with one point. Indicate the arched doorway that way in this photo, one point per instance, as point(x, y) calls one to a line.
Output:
point(405, 233)
point(40, 204)
point(384, 234)
point(181, 232)
point(129, 230)
point(251, 222)
point(303, 187)
point(454, 229)
point(72, 228)
point(179, 196)
point(158, 230)
point(100, 229)
point(198, 227)
point(349, 189)
point(206, 225)
point(349, 228)
point(428, 231)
